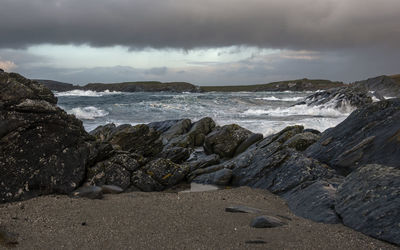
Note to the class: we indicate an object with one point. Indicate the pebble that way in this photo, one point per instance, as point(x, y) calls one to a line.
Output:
point(91, 192)
point(266, 221)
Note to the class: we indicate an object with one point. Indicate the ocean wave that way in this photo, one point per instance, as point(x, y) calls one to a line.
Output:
point(88, 113)
point(91, 93)
point(284, 99)
point(301, 110)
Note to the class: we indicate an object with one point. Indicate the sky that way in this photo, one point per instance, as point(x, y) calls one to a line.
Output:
point(207, 42)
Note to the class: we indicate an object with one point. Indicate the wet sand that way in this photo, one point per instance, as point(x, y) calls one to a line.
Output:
point(170, 220)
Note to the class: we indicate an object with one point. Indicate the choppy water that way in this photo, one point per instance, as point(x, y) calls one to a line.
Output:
point(262, 112)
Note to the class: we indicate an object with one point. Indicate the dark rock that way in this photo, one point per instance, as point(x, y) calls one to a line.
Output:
point(111, 189)
point(102, 133)
point(368, 135)
point(225, 140)
point(255, 242)
point(243, 209)
point(369, 201)
point(162, 126)
point(220, 177)
point(139, 139)
point(380, 86)
point(179, 128)
point(165, 172)
point(145, 182)
point(176, 154)
point(91, 192)
point(315, 200)
point(43, 150)
point(253, 138)
point(266, 221)
point(203, 161)
point(314, 131)
point(301, 141)
point(116, 170)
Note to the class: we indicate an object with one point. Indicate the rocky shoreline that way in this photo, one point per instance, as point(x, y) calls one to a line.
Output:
point(348, 174)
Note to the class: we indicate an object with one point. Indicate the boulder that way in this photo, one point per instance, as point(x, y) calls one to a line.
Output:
point(369, 201)
point(43, 150)
point(102, 133)
point(225, 140)
point(301, 141)
point(176, 154)
point(139, 139)
point(369, 135)
point(116, 170)
point(220, 177)
point(165, 172)
point(145, 182)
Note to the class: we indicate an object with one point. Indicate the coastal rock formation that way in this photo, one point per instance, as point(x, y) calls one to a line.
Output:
point(369, 201)
point(369, 135)
point(43, 150)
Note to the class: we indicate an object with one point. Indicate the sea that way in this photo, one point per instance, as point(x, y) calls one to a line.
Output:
point(259, 112)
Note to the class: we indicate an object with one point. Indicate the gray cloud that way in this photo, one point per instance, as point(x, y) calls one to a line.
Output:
point(296, 24)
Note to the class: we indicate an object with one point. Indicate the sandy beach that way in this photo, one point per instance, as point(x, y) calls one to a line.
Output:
point(170, 220)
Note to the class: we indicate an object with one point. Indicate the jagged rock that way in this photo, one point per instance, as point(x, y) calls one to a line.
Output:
point(380, 86)
point(203, 162)
point(265, 221)
point(176, 154)
point(139, 139)
point(369, 201)
point(315, 200)
point(145, 182)
point(111, 189)
point(220, 177)
point(91, 192)
point(165, 172)
point(225, 140)
point(116, 170)
point(163, 126)
point(302, 141)
point(179, 128)
point(102, 133)
point(43, 150)
point(253, 138)
point(369, 135)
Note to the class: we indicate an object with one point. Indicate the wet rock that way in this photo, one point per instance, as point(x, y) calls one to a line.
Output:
point(221, 177)
point(369, 135)
point(243, 209)
point(225, 140)
point(179, 128)
point(369, 201)
point(163, 126)
point(203, 161)
point(266, 221)
point(43, 150)
point(111, 189)
point(91, 192)
point(301, 141)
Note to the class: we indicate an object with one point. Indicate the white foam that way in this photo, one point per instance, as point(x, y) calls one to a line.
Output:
point(284, 99)
point(77, 92)
point(88, 113)
point(389, 97)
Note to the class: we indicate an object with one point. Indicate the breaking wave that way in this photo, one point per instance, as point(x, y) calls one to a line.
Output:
point(284, 99)
point(77, 92)
point(88, 113)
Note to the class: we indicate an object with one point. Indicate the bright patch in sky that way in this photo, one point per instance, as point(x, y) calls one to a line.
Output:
point(84, 56)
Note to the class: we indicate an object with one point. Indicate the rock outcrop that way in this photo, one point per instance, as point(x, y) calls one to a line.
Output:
point(43, 150)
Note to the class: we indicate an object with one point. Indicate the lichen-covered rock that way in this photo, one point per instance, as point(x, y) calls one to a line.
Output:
point(369, 201)
point(116, 170)
point(165, 172)
point(369, 135)
point(176, 154)
point(43, 150)
point(139, 139)
point(302, 141)
point(225, 140)
point(102, 133)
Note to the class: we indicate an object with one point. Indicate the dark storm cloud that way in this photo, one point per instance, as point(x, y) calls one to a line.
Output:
point(296, 24)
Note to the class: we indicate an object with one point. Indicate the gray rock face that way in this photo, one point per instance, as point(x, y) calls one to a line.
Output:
point(302, 141)
point(225, 140)
point(369, 201)
point(220, 177)
point(369, 135)
point(43, 150)
point(266, 221)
